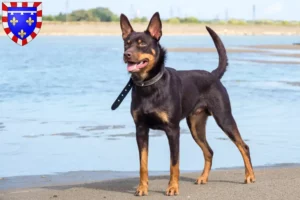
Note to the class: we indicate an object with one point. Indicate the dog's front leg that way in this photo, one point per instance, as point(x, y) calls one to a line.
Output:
point(142, 137)
point(173, 137)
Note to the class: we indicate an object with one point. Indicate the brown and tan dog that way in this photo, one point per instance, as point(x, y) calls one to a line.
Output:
point(162, 97)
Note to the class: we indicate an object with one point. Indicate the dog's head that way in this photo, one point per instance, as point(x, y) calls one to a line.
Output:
point(141, 49)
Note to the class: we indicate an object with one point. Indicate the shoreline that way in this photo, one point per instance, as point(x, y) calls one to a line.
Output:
point(84, 177)
point(111, 29)
point(271, 183)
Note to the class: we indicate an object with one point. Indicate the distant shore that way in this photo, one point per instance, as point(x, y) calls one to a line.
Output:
point(267, 50)
point(113, 28)
point(271, 183)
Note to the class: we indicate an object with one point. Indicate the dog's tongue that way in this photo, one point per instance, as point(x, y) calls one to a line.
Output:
point(134, 67)
point(131, 67)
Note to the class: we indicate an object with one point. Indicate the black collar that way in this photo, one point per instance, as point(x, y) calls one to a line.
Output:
point(130, 83)
point(151, 81)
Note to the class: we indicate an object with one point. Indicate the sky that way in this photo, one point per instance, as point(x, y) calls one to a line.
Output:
point(202, 9)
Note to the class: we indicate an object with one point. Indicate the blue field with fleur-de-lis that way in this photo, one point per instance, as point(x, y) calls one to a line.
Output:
point(22, 21)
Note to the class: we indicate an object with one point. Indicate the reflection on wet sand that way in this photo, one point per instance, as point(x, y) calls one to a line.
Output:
point(101, 127)
point(108, 135)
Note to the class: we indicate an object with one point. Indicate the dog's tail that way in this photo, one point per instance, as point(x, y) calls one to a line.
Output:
point(223, 60)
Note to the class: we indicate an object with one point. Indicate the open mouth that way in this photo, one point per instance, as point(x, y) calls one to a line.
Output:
point(135, 67)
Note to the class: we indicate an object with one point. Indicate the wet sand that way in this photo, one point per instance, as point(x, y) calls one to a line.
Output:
point(293, 55)
point(210, 50)
point(297, 63)
point(246, 49)
point(276, 46)
point(226, 184)
point(113, 28)
point(261, 49)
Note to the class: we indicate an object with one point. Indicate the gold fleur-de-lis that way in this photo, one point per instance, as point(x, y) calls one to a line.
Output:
point(22, 33)
point(14, 21)
point(29, 21)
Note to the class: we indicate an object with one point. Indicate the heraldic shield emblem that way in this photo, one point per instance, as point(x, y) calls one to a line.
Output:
point(22, 21)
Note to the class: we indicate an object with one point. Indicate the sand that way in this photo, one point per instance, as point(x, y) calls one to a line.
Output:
point(272, 183)
point(293, 55)
point(247, 49)
point(276, 46)
point(277, 62)
point(113, 28)
point(210, 50)
point(266, 50)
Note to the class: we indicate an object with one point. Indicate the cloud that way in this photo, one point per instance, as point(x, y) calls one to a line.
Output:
point(274, 8)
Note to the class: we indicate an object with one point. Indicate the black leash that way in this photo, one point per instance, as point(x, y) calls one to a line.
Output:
point(123, 94)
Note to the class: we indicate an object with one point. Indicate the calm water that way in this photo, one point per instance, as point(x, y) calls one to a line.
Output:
point(56, 94)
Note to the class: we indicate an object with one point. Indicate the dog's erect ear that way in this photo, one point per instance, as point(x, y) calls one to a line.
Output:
point(125, 26)
point(154, 27)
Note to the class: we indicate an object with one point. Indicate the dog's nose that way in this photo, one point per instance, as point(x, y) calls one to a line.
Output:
point(127, 54)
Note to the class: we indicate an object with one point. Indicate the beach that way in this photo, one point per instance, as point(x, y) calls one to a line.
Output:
point(60, 140)
point(113, 28)
point(226, 184)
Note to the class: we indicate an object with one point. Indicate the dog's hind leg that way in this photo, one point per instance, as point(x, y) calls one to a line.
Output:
point(227, 123)
point(197, 124)
point(219, 106)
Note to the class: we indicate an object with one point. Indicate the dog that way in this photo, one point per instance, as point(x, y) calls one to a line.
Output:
point(162, 97)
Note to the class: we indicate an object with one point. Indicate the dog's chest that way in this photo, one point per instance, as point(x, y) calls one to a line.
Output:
point(155, 118)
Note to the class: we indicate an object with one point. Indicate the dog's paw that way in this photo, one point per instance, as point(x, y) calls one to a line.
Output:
point(201, 180)
point(142, 190)
point(249, 179)
point(172, 190)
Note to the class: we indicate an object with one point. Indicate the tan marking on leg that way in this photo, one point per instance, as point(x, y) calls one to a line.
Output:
point(197, 126)
point(143, 186)
point(135, 115)
point(163, 116)
point(173, 188)
point(244, 150)
point(249, 174)
point(144, 167)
